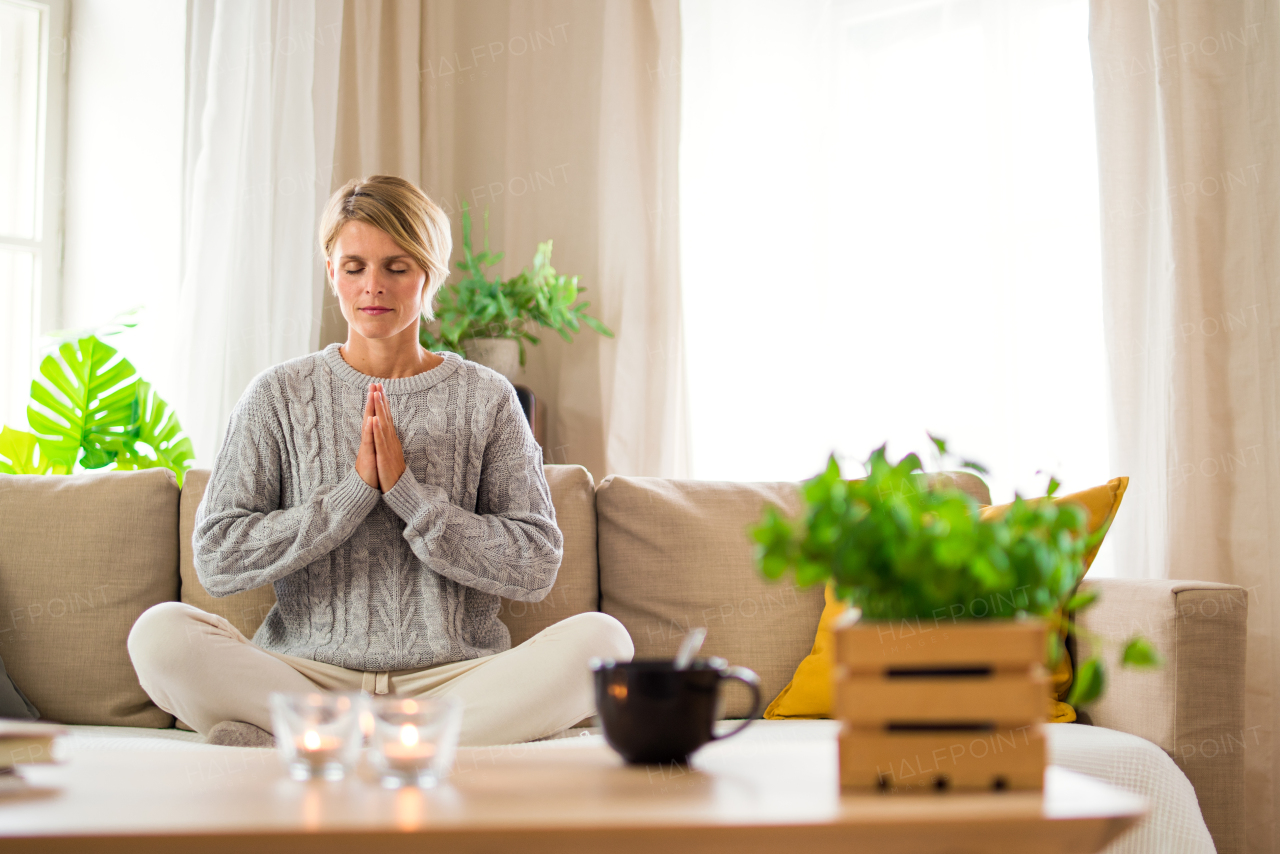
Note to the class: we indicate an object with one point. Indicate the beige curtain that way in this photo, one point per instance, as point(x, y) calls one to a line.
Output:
point(379, 128)
point(1188, 105)
point(562, 120)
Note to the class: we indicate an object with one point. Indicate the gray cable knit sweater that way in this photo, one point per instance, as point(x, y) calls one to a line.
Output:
point(371, 581)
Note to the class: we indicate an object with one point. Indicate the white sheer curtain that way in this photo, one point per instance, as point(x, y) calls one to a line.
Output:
point(1188, 99)
point(890, 225)
point(262, 84)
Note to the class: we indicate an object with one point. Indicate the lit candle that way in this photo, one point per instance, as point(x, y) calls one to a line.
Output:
point(414, 739)
point(408, 752)
point(318, 750)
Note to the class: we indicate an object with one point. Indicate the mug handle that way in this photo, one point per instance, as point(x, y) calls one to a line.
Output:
point(752, 681)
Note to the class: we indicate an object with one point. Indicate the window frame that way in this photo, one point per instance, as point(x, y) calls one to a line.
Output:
point(51, 164)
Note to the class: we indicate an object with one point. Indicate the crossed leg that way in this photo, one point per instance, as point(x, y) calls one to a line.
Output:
point(202, 669)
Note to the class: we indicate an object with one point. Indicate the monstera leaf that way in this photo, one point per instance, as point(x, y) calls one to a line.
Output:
point(88, 402)
point(21, 454)
point(93, 404)
point(159, 430)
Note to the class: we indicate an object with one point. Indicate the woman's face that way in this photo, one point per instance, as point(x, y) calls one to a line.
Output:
point(379, 284)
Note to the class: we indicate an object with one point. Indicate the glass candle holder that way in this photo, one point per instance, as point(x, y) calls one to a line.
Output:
point(414, 740)
point(317, 734)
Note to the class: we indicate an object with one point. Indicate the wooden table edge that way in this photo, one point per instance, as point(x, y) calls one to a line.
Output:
point(1030, 835)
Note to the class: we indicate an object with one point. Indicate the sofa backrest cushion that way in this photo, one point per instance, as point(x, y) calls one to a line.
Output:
point(675, 554)
point(246, 610)
point(81, 557)
point(967, 482)
point(576, 588)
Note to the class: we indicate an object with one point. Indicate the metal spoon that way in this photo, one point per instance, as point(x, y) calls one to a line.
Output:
point(692, 643)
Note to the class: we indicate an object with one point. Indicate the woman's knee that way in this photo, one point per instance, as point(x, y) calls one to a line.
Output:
point(602, 635)
point(161, 637)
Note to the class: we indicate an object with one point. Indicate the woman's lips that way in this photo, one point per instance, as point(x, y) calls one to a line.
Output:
point(375, 310)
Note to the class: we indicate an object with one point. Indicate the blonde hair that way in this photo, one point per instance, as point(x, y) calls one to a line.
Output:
point(404, 212)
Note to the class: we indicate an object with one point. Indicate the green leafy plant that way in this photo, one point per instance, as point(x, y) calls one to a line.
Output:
point(897, 547)
point(88, 400)
point(477, 307)
point(20, 454)
point(89, 408)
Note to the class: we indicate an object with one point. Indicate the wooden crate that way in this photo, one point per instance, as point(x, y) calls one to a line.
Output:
point(942, 760)
point(870, 700)
point(942, 705)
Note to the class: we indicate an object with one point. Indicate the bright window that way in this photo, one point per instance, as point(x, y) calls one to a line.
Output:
point(32, 71)
point(889, 216)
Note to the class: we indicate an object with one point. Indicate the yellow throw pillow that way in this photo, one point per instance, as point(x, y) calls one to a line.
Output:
point(1101, 502)
point(809, 693)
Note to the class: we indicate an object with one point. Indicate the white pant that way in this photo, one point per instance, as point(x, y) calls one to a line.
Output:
point(200, 668)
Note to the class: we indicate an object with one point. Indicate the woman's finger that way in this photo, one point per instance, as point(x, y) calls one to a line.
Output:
point(381, 441)
point(386, 419)
point(367, 456)
point(381, 454)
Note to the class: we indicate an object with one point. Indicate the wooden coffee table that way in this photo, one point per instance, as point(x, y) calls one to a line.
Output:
point(553, 798)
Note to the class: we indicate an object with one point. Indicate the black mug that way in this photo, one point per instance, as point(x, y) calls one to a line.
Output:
point(652, 713)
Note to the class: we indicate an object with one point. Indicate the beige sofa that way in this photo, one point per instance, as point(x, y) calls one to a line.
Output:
point(82, 556)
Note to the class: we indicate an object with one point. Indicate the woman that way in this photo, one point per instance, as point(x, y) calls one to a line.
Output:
point(390, 495)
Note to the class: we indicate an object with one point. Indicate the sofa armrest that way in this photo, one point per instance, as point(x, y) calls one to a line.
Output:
point(1193, 706)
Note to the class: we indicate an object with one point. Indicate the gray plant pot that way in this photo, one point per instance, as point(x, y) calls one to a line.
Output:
point(500, 354)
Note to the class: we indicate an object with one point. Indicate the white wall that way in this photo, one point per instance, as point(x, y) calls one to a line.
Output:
point(124, 172)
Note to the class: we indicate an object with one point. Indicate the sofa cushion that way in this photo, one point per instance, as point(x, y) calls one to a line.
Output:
point(675, 554)
point(83, 555)
point(576, 588)
point(14, 703)
point(246, 610)
point(967, 482)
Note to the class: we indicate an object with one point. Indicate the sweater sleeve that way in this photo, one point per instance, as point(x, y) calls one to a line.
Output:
point(511, 546)
point(243, 538)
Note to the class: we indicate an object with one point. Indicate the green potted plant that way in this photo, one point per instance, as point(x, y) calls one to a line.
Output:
point(489, 321)
point(90, 410)
point(912, 559)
